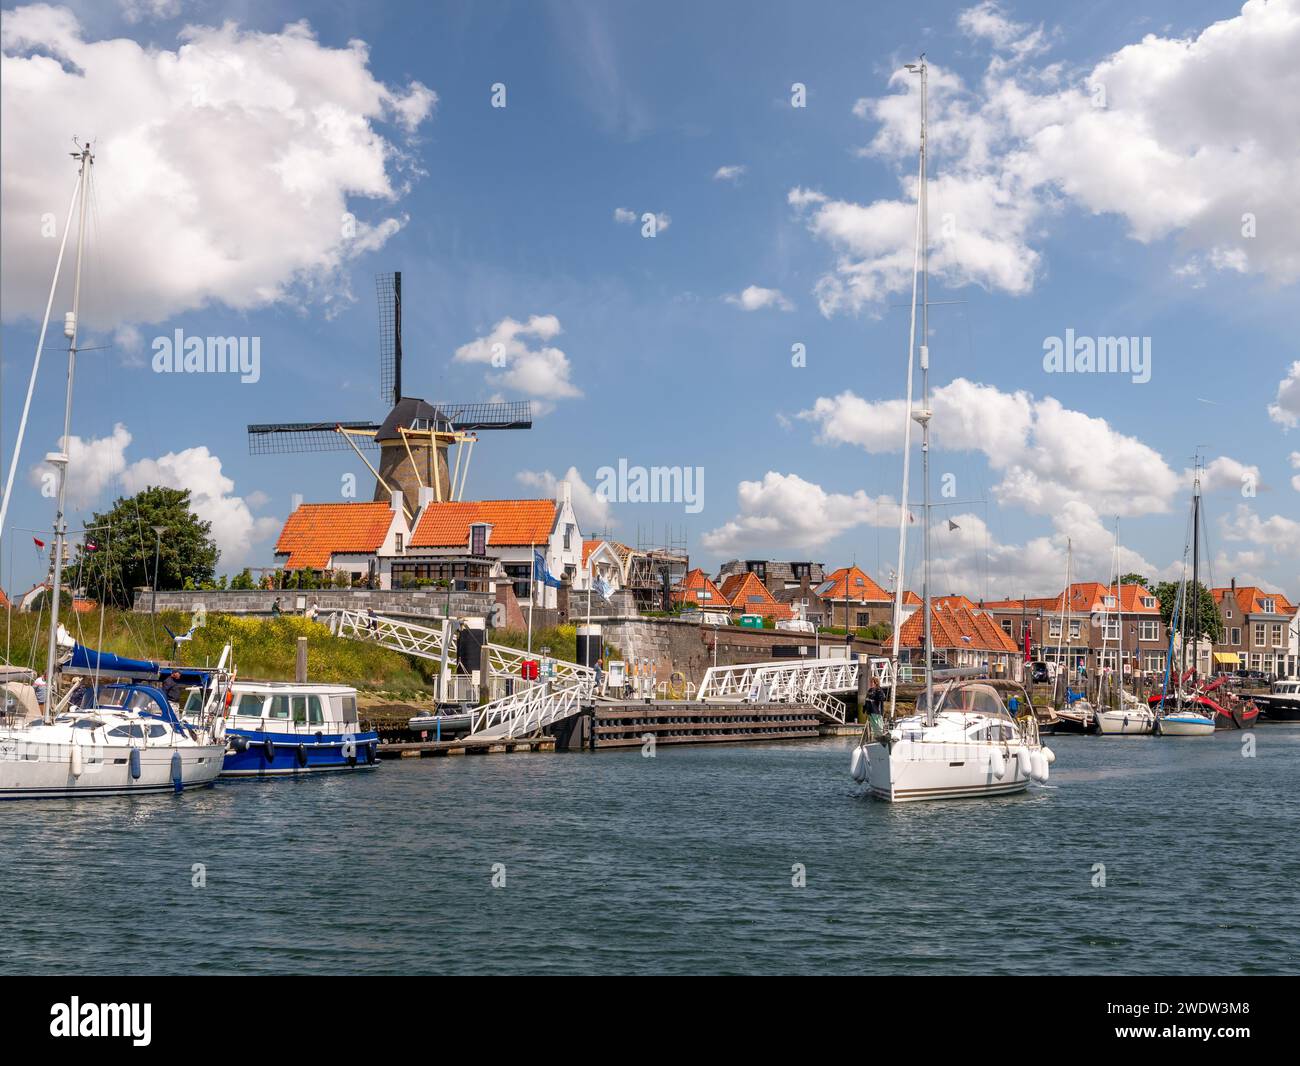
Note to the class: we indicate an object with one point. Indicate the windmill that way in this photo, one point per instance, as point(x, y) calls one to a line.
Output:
point(415, 438)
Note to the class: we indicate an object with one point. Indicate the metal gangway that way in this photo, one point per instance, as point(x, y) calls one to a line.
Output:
point(811, 681)
point(519, 713)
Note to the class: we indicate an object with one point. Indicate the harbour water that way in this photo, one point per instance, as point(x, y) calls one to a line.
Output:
point(681, 863)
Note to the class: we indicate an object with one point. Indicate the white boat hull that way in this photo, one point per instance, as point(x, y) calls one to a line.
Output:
point(45, 771)
point(1129, 722)
point(907, 771)
point(1187, 726)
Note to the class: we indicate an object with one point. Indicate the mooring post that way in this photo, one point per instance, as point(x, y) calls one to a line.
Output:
point(300, 670)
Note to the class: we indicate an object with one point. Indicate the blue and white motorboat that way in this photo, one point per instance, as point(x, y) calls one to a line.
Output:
point(280, 728)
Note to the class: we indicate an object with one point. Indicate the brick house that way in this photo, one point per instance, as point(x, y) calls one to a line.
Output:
point(1258, 632)
point(697, 589)
point(344, 537)
point(963, 638)
point(852, 600)
point(746, 594)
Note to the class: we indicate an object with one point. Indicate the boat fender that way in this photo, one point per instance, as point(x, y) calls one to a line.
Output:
point(135, 764)
point(1049, 755)
point(238, 743)
point(1037, 766)
point(858, 765)
point(1023, 762)
point(178, 771)
point(76, 766)
point(999, 764)
point(268, 748)
point(302, 754)
point(372, 753)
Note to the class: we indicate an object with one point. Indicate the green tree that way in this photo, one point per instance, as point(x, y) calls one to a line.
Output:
point(1135, 579)
point(243, 580)
point(1211, 625)
point(125, 545)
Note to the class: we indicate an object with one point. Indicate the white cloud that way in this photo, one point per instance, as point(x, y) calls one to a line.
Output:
point(755, 298)
point(1285, 410)
point(1295, 465)
point(593, 511)
point(94, 464)
point(541, 373)
point(1276, 532)
point(1190, 138)
point(138, 10)
point(1047, 454)
point(624, 215)
point(98, 466)
point(234, 159)
point(785, 511)
point(234, 527)
point(627, 217)
point(732, 173)
point(1224, 473)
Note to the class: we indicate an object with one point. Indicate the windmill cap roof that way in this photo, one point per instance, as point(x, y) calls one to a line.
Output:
point(405, 413)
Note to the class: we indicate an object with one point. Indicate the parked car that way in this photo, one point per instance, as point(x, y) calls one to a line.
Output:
point(1250, 678)
point(1040, 673)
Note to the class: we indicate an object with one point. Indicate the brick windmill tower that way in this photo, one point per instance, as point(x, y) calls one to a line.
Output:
point(414, 441)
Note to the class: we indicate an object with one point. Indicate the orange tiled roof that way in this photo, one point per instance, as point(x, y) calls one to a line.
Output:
point(745, 593)
point(952, 601)
point(1250, 600)
point(316, 531)
point(911, 599)
point(4, 600)
point(692, 585)
point(949, 626)
point(860, 586)
point(514, 523)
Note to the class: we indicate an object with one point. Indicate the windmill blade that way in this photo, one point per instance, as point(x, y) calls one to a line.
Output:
point(294, 437)
point(388, 287)
point(467, 417)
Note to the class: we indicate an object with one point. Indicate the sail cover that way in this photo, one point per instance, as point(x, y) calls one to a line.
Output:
point(89, 661)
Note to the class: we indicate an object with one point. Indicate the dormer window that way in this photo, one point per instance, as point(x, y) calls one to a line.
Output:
point(1110, 601)
point(1149, 602)
point(478, 538)
point(1268, 606)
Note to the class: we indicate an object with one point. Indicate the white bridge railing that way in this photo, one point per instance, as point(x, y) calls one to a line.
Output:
point(794, 682)
point(529, 710)
point(408, 637)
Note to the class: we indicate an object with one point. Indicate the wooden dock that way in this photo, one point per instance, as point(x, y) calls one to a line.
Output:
point(628, 724)
point(414, 749)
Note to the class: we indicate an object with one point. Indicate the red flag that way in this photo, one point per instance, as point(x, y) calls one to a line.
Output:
point(39, 543)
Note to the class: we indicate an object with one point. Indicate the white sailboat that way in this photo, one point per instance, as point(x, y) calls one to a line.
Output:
point(968, 741)
point(126, 738)
point(1131, 717)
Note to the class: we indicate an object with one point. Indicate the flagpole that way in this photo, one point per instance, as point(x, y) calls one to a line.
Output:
point(532, 592)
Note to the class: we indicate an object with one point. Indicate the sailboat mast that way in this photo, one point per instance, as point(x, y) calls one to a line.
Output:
point(1119, 614)
point(1194, 615)
point(60, 523)
point(923, 416)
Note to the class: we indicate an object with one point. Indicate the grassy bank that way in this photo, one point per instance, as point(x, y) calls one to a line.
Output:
point(264, 648)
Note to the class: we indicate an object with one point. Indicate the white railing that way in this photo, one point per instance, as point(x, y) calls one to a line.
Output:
point(793, 682)
point(391, 633)
point(529, 710)
point(827, 706)
point(507, 661)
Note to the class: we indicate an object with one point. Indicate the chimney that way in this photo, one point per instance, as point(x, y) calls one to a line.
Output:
point(395, 500)
point(426, 496)
point(566, 493)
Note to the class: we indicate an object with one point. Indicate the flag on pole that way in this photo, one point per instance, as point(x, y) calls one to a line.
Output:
point(603, 588)
point(540, 572)
point(40, 544)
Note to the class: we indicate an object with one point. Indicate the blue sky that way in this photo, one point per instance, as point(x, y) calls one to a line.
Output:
point(1120, 221)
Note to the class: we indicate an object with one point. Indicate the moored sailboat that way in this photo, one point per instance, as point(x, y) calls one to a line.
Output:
point(966, 741)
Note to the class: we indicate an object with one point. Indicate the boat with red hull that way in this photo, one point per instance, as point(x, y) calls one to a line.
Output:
point(1233, 712)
